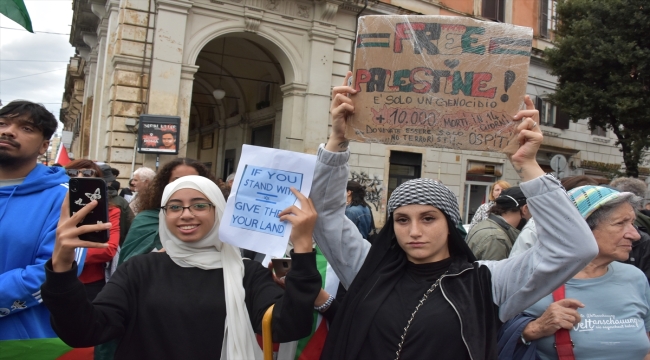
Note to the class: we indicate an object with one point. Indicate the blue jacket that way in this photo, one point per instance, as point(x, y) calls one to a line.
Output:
point(29, 214)
point(361, 217)
point(509, 340)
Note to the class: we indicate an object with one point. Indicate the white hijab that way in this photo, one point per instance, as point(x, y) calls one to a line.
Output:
point(239, 340)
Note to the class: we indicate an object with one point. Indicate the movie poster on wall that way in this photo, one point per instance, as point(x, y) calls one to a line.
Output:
point(438, 81)
point(158, 134)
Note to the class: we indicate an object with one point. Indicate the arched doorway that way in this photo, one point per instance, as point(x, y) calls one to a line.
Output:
point(236, 99)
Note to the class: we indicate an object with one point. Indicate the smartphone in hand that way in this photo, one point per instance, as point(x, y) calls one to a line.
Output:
point(82, 192)
point(281, 266)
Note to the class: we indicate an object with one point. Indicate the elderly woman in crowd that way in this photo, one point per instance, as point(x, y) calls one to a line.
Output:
point(417, 291)
point(141, 179)
point(604, 311)
point(640, 254)
point(483, 211)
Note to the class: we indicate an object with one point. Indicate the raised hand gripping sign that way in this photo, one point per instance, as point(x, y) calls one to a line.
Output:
point(438, 81)
point(261, 190)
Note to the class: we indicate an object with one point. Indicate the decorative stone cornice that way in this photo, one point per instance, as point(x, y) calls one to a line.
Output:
point(328, 37)
point(112, 5)
point(84, 53)
point(130, 63)
point(252, 19)
point(289, 10)
point(252, 24)
point(353, 5)
point(98, 7)
point(93, 56)
point(188, 71)
point(89, 39)
point(303, 11)
point(177, 6)
point(102, 29)
point(293, 89)
point(326, 10)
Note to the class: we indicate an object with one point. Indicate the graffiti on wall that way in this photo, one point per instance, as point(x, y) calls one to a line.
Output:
point(373, 187)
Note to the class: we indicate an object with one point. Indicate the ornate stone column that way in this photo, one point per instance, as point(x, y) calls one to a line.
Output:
point(184, 105)
point(293, 111)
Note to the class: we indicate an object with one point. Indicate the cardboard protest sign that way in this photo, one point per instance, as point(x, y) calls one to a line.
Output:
point(158, 134)
point(438, 81)
point(261, 190)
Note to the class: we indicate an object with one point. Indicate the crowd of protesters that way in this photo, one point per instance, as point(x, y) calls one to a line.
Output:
point(542, 273)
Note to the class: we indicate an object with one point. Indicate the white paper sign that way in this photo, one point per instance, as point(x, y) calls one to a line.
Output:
point(261, 190)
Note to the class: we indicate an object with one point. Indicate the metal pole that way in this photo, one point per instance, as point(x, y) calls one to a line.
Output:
point(157, 161)
point(135, 152)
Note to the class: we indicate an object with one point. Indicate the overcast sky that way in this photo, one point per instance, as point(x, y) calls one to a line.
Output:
point(43, 58)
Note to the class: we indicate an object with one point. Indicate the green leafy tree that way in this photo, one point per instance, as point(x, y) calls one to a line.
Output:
point(602, 61)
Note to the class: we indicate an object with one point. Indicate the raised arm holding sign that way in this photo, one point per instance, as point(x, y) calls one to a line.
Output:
point(418, 291)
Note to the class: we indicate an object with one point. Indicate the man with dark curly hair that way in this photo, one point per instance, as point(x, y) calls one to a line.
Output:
point(30, 204)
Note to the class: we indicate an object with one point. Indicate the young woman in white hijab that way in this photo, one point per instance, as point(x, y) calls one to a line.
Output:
point(194, 301)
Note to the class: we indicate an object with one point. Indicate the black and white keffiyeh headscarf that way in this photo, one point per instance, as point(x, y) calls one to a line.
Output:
point(425, 192)
point(386, 262)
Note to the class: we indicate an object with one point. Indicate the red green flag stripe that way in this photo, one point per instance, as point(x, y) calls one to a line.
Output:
point(42, 349)
point(310, 347)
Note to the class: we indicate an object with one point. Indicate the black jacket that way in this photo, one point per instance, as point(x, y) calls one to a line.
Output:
point(465, 279)
point(479, 318)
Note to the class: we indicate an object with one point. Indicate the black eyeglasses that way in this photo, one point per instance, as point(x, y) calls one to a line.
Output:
point(174, 210)
point(84, 172)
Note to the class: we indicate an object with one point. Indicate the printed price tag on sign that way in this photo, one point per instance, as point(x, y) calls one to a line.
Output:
point(261, 191)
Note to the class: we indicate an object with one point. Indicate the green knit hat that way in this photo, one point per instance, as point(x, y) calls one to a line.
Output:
point(590, 198)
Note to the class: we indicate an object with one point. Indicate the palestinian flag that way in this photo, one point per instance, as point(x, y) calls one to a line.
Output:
point(42, 349)
point(16, 11)
point(310, 348)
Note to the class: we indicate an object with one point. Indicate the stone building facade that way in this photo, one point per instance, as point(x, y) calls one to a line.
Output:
point(261, 71)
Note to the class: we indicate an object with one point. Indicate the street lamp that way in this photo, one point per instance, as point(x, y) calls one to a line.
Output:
point(219, 93)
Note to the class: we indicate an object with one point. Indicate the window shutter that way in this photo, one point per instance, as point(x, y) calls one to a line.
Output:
point(489, 9)
point(543, 18)
point(539, 103)
point(501, 11)
point(561, 119)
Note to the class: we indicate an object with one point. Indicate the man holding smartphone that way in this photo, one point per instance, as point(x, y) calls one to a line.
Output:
point(31, 195)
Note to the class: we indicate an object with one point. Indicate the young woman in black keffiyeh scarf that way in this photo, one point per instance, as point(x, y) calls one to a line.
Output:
point(418, 292)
